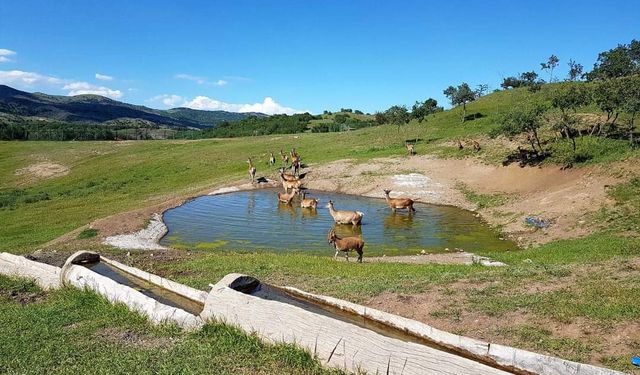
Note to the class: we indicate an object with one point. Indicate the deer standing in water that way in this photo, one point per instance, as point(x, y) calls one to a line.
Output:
point(345, 217)
point(308, 202)
point(396, 203)
point(252, 170)
point(346, 244)
point(287, 197)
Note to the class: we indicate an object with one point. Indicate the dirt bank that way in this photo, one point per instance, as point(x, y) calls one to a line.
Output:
point(565, 198)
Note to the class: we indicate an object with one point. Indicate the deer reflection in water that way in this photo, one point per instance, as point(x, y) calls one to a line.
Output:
point(398, 221)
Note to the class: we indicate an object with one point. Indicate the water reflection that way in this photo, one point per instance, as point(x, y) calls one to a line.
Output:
point(309, 212)
point(347, 230)
point(398, 221)
point(287, 208)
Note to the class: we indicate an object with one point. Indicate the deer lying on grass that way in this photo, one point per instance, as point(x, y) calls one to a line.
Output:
point(272, 159)
point(308, 202)
point(252, 170)
point(345, 217)
point(396, 203)
point(346, 244)
point(411, 148)
point(287, 197)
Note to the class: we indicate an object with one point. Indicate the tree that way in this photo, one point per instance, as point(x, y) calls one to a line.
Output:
point(524, 118)
point(550, 65)
point(380, 118)
point(460, 95)
point(340, 118)
point(631, 102)
point(622, 61)
point(397, 115)
point(481, 90)
point(421, 110)
point(608, 96)
point(569, 97)
point(575, 71)
point(358, 112)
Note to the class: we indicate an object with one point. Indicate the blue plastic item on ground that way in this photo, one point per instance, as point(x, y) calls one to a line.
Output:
point(539, 223)
point(635, 361)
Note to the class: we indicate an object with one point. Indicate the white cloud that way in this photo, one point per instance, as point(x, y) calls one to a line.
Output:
point(4, 55)
point(103, 77)
point(83, 88)
point(21, 79)
point(168, 100)
point(268, 106)
point(200, 80)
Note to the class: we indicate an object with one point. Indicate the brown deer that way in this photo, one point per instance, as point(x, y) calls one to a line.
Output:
point(287, 176)
point(285, 158)
point(476, 145)
point(345, 217)
point(272, 159)
point(295, 165)
point(308, 202)
point(396, 203)
point(411, 148)
point(460, 145)
point(287, 197)
point(289, 184)
point(252, 170)
point(346, 244)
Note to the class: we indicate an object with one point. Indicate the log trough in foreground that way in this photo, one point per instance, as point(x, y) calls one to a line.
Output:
point(339, 333)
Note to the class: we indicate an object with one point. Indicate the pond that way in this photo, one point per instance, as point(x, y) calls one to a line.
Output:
point(255, 221)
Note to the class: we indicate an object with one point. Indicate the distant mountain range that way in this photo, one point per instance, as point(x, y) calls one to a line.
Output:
point(16, 105)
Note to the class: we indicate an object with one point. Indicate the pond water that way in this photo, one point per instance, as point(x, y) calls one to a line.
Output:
point(254, 221)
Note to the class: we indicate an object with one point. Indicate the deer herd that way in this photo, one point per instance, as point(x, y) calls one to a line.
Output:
point(292, 183)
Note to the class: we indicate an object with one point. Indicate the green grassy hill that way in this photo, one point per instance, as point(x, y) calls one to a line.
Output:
point(19, 106)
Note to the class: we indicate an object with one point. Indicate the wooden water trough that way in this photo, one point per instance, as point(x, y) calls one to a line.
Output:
point(339, 333)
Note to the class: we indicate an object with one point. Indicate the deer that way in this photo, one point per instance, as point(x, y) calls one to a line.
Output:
point(252, 170)
point(272, 159)
point(295, 165)
point(411, 148)
point(308, 202)
point(396, 203)
point(460, 145)
point(345, 217)
point(476, 145)
point(285, 158)
point(287, 176)
point(287, 197)
point(346, 244)
point(289, 184)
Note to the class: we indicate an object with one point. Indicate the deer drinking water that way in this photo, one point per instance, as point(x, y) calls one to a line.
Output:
point(346, 244)
point(396, 203)
point(345, 217)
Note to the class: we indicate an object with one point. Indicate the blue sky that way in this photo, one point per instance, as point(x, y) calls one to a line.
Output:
point(281, 56)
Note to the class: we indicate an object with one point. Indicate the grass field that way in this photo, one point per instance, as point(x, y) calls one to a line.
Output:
point(597, 274)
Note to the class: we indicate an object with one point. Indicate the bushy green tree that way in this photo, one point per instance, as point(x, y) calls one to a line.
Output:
point(460, 95)
point(421, 110)
point(524, 118)
point(568, 97)
point(397, 115)
point(631, 102)
point(621, 61)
